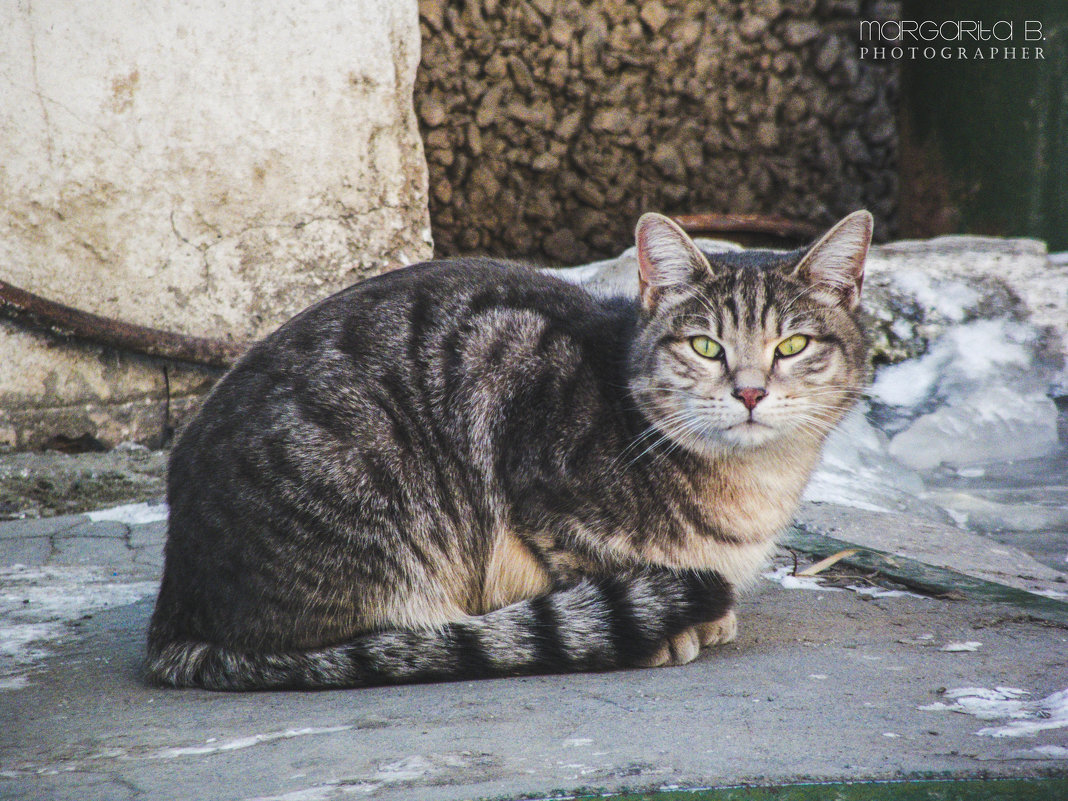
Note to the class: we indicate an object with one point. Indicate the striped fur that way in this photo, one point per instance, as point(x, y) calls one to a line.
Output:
point(467, 469)
point(595, 624)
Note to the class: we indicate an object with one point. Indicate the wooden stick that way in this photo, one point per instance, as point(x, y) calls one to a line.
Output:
point(63, 320)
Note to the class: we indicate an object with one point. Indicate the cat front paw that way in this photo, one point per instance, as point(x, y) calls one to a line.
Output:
point(677, 650)
point(686, 645)
point(718, 632)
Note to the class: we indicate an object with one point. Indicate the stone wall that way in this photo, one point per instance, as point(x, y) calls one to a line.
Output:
point(199, 167)
point(551, 125)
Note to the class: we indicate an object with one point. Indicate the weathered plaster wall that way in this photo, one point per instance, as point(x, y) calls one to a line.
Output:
point(551, 125)
point(201, 167)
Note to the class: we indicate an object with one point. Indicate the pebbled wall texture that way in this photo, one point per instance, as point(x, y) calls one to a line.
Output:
point(194, 166)
point(551, 125)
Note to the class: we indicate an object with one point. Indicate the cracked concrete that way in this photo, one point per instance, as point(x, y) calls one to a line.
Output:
point(78, 541)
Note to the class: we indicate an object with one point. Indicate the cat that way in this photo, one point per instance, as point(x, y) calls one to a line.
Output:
point(468, 468)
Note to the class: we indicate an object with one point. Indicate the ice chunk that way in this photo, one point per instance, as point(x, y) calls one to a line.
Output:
point(881, 592)
point(986, 515)
point(133, 514)
point(1049, 713)
point(996, 424)
point(966, 357)
point(951, 299)
point(908, 383)
point(857, 471)
point(985, 704)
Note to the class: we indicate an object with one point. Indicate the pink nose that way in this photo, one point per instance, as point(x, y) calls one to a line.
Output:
point(750, 396)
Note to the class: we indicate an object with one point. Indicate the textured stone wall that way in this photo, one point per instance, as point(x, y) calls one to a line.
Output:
point(193, 166)
point(551, 125)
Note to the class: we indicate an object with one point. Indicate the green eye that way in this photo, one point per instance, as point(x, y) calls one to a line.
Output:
point(791, 346)
point(707, 347)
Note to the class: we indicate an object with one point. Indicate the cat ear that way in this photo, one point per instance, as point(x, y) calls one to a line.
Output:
point(666, 255)
point(835, 264)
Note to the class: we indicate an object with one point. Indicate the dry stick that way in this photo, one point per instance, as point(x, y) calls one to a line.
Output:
point(747, 224)
point(63, 320)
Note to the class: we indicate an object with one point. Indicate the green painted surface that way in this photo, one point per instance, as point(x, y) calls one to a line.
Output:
point(989, 137)
point(967, 790)
point(927, 578)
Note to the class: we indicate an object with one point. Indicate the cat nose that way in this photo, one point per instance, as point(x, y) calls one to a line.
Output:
point(750, 396)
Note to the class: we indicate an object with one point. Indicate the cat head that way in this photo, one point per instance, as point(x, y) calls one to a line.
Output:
point(741, 348)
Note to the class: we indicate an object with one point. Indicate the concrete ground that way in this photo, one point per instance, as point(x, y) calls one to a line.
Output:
point(824, 683)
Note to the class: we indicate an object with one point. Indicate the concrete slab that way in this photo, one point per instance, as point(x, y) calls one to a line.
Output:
point(820, 684)
point(39, 526)
point(940, 545)
point(148, 534)
point(31, 551)
point(149, 556)
point(87, 551)
point(96, 529)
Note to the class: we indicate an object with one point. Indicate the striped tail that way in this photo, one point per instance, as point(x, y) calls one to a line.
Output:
point(596, 624)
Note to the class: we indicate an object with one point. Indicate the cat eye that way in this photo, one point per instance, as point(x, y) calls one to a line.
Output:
point(707, 347)
point(791, 346)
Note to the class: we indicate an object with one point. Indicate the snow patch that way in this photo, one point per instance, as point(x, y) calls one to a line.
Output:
point(242, 742)
point(1021, 717)
point(402, 770)
point(1042, 752)
point(856, 471)
point(951, 299)
point(784, 576)
point(133, 514)
point(36, 604)
point(969, 354)
point(881, 592)
point(321, 792)
point(1054, 594)
point(955, 647)
point(978, 395)
point(577, 742)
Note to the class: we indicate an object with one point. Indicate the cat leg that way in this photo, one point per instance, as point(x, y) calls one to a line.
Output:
point(718, 632)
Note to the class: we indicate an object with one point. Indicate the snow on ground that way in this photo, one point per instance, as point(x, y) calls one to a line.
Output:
point(1018, 716)
point(785, 577)
point(881, 592)
point(37, 605)
point(132, 514)
point(857, 470)
point(950, 299)
point(978, 395)
point(213, 746)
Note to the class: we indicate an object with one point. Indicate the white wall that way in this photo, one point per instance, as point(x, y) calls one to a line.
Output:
point(198, 166)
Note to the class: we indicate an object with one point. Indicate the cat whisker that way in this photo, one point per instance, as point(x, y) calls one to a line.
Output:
point(679, 428)
point(668, 421)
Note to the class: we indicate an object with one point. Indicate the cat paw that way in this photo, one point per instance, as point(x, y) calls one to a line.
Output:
point(678, 650)
point(718, 632)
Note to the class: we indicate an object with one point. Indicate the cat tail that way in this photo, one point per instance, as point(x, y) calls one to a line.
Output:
point(596, 624)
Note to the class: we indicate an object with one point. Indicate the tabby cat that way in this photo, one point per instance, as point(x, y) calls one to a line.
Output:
point(468, 468)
